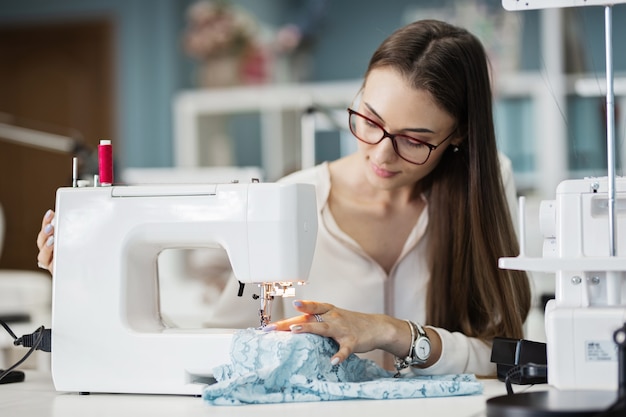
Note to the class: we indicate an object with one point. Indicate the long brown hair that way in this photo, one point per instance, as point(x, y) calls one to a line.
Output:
point(470, 225)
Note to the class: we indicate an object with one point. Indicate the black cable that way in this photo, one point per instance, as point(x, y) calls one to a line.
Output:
point(528, 373)
point(26, 340)
point(619, 406)
point(616, 409)
point(8, 329)
point(40, 332)
point(512, 373)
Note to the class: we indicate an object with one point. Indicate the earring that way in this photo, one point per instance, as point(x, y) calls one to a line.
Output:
point(455, 148)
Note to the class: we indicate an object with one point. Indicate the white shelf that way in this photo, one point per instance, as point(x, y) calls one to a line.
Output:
point(280, 147)
point(286, 142)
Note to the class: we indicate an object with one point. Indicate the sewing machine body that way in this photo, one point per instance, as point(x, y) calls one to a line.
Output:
point(107, 330)
point(588, 306)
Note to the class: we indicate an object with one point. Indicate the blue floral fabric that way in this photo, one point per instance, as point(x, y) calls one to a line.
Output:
point(277, 367)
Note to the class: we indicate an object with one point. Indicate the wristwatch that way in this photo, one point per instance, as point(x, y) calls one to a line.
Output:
point(421, 346)
point(419, 352)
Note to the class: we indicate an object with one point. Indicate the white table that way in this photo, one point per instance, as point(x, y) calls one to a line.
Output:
point(36, 397)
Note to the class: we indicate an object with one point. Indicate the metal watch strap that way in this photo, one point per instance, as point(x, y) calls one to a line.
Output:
point(417, 332)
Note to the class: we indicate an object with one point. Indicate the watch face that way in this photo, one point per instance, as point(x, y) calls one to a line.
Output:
point(422, 349)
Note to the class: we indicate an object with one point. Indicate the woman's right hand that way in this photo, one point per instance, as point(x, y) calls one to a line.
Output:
point(45, 242)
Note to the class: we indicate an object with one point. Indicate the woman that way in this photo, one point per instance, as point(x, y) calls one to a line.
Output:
point(411, 225)
point(427, 213)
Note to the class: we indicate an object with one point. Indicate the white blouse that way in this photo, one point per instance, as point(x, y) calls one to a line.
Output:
point(344, 275)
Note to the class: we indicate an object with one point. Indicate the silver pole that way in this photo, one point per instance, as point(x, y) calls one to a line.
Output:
point(610, 127)
point(613, 278)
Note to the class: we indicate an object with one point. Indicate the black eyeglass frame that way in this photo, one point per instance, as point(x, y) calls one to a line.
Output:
point(391, 136)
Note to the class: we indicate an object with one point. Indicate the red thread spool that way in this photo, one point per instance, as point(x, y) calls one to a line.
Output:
point(105, 162)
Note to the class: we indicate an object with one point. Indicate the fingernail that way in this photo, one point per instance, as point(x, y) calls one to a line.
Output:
point(48, 228)
point(48, 214)
point(335, 361)
point(298, 303)
point(270, 327)
point(295, 327)
point(50, 241)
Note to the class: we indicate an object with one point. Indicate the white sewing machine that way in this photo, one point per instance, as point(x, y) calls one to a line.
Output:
point(585, 246)
point(107, 332)
point(588, 306)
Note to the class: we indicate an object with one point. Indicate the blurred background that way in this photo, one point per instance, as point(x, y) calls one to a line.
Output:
point(188, 84)
point(217, 90)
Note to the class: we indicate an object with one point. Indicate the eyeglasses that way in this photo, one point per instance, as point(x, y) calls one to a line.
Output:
point(408, 148)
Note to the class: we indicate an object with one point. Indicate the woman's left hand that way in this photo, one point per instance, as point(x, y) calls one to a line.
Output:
point(354, 332)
